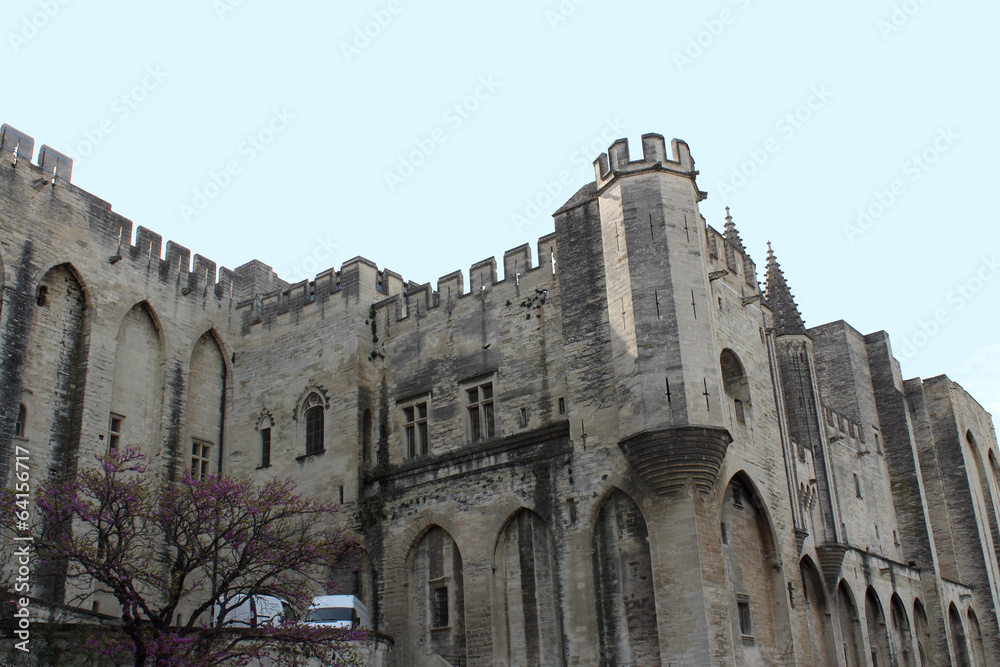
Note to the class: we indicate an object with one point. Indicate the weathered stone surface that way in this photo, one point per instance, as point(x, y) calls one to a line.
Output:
point(623, 452)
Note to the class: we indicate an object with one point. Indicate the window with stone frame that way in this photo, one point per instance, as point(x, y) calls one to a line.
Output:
point(315, 422)
point(416, 439)
point(201, 459)
point(746, 620)
point(480, 410)
point(22, 416)
point(439, 607)
point(265, 447)
point(114, 431)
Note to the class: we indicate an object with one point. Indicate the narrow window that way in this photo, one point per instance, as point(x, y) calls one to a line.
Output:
point(725, 535)
point(857, 486)
point(562, 406)
point(480, 409)
point(115, 431)
point(524, 416)
point(366, 436)
point(746, 622)
point(314, 425)
point(737, 496)
point(740, 413)
point(19, 424)
point(878, 444)
point(201, 454)
point(415, 426)
point(43, 293)
point(265, 447)
point(440, 606)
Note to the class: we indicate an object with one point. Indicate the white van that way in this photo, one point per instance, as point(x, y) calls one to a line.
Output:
point(338, 611)
point(256, 611)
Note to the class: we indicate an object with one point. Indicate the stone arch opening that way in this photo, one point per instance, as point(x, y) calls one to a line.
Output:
point(758, 611)
point(137, 386)
point(923, 631)
point(736, 383)
point(989, 509)
point(56, 359)
point(822, 639)
point(206, 407)
point(527, 618)
point(958, 637)
point(976, 637)
point(435, 620)
point(901, 636)
point(850, 628)
point(623, 578)
point(878, 631)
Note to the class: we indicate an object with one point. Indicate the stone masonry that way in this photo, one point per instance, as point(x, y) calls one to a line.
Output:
point(626, 452)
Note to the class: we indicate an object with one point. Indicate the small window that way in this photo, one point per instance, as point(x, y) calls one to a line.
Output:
point(737, 496)
point(746, 621)
point(878, 444)
point(265, 447)
point(440, 607)
point(479, 402)
point(524, 416)
point(857, 486)
point(740, 412)
point(725, 534)
point(115, 431)
point(415, 426)
point(562, 406)
point(201, 456)
point(43, 294)
point(314, 424)
point(22, 415)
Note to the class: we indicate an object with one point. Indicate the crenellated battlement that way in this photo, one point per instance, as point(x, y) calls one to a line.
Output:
point(360, 280)
point(617, 160)
point(202, 278)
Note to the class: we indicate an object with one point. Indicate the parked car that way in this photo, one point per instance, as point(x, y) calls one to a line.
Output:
point(255, 611)
point(337, 611)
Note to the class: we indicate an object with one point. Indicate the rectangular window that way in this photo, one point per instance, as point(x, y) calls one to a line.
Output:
point(562, 406)
point(482, 424)
point(201, 454)
point(115, 431)
point(740, 413)
point(439, 601)
point(857, 486)
point(265, 447)
point(415, 426)
point(746, 622)
point(19, 424)
point(878, 444)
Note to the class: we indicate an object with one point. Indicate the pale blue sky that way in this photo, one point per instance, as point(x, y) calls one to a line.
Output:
point(201, 77)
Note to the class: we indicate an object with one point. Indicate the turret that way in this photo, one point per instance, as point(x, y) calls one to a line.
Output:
point(637, 235)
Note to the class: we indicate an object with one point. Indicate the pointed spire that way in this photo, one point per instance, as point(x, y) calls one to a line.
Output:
point(787, 319)
point(732, 235)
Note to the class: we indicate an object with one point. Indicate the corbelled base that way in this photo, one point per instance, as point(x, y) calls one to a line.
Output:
point(667, 458)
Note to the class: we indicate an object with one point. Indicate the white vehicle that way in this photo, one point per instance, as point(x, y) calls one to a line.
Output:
point(255, 611)
point(338, 611)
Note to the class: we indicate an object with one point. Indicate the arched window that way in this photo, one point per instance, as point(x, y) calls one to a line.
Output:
point(19, 424)
point(314, 424)
point(736, 383)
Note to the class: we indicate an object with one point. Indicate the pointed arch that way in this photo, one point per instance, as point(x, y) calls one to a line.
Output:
point(208, 376)
point(822, 643)
point(623, 578)
point(58, 348)
point(976, 639)
point(761, 625)
point(958, 637)
point(435, 618)
point(923, 631)
point(527, 616)
point(137, 381)
point(851, 641)
point(902, 637)
point(989, 508)
point(878, 631)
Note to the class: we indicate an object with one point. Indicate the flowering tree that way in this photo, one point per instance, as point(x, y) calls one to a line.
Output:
point(197, 546)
